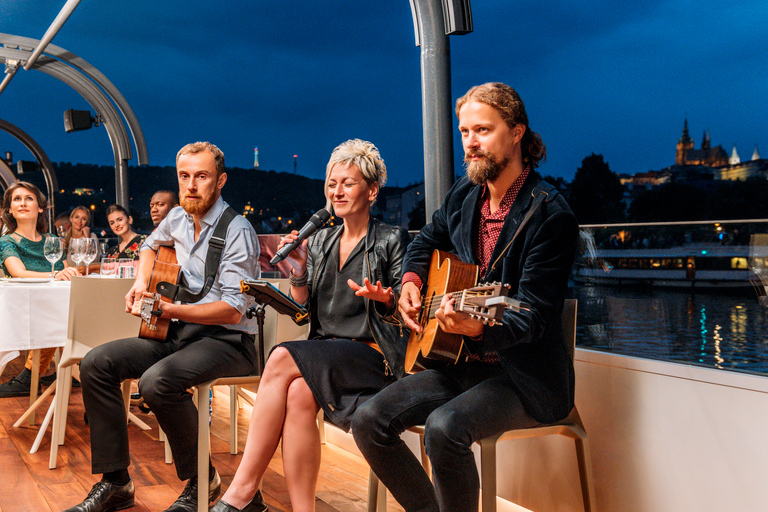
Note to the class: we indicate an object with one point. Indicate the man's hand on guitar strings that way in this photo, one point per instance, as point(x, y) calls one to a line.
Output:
point(369, 291)
point(456, 322)
point(410, 305)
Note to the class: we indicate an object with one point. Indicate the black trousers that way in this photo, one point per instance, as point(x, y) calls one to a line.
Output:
point(192, 354)
point(457, 405)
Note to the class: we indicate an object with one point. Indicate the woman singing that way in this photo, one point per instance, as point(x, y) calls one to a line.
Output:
point(356, 346)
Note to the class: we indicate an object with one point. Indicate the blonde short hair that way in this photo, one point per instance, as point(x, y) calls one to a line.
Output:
point(364, 155)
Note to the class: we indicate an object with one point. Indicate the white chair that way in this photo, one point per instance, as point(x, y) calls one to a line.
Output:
point(277, 328)
point(571, 427)
point(96, 316)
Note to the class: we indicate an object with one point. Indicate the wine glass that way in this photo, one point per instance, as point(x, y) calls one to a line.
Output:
point(53, 250)
point(89, 252)
point(77, 250)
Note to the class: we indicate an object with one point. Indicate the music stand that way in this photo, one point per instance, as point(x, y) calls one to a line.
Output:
point(265, 294)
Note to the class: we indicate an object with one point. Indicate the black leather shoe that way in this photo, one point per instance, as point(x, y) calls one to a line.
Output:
point(256, 505)
point(106, 497)
point(187, 500)
point(14, 388)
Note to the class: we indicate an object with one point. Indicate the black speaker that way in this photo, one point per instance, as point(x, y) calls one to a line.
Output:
point(76, 120)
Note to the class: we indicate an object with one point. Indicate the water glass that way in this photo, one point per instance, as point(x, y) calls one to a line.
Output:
point(108, 267)
point(125, 268)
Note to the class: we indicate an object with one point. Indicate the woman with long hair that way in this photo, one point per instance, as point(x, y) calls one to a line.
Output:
point(356, 345)
point(80, 219)
point(121, 224)
point(22, 255)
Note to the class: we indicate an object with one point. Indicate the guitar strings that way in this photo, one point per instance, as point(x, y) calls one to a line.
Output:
point(432, 304)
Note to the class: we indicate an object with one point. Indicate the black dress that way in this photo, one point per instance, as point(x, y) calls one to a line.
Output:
point(336, 363)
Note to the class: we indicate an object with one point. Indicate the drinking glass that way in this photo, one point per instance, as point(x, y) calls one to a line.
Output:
point(77, 250)
point(52, 250)
point(125, 268)
point(108, 267)
point(89, 253)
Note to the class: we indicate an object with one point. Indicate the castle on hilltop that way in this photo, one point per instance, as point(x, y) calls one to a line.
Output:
point(708, 156)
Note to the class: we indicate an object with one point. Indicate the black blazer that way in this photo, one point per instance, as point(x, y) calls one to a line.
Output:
point(537, 265)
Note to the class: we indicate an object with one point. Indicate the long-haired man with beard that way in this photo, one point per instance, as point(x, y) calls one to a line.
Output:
point(520, 231)
point(208, 337)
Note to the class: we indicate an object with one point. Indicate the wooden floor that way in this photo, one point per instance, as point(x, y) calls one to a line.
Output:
point(29, 486)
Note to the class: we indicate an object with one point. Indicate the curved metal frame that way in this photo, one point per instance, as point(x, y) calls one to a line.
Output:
point(98, 91)
point(48, 172)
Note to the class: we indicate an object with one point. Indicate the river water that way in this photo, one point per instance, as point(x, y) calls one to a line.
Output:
point(715, 330)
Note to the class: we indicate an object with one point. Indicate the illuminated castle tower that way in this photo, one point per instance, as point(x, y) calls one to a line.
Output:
point(256, 158)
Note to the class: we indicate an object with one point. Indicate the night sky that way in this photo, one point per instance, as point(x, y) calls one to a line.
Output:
point(299, 77)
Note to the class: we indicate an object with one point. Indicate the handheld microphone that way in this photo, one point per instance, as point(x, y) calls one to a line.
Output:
point(317, 221)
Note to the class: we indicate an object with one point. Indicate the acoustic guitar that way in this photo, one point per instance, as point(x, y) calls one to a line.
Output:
point(165, 268)
point(433, 347)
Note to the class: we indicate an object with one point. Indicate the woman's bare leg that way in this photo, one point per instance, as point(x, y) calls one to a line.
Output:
point(266, 426)
point(301, 446)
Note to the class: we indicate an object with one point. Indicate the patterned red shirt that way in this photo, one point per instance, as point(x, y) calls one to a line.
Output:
point(491, 223)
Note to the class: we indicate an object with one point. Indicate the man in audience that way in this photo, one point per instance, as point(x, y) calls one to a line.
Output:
point(161, 203)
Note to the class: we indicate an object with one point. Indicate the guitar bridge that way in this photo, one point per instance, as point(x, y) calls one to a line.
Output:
point(150, 310)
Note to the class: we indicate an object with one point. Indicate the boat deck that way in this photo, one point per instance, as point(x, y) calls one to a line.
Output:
point(28, 484)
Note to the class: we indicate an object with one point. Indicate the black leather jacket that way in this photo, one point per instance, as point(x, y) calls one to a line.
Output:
point(384, 251)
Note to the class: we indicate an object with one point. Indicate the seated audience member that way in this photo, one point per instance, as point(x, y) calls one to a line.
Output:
point(212, 337)
point(161, 204)
point(80, 219)
point(121, 224)
point(62, 224)
point(21, 255)
point(355, 347)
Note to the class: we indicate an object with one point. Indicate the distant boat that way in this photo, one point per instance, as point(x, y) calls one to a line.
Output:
point(700, 266)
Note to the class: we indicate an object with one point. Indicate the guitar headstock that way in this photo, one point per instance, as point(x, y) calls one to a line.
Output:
point(487, 302)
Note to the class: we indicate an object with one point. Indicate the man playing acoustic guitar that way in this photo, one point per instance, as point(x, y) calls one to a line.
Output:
point(515, 374)
point(209, 338)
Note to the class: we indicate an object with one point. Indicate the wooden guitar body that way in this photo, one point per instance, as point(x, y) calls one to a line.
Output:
point(166, 269)
point(434, 347)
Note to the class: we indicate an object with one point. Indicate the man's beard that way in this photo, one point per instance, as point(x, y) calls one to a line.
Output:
point(199, 206)
point(484, 170)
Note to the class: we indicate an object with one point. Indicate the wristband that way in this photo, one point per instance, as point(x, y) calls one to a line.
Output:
point(298, 282)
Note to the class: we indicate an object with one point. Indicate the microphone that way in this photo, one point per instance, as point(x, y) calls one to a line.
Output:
point(317, 221)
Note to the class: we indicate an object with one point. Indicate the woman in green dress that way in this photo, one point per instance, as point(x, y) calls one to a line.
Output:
point(22, 255)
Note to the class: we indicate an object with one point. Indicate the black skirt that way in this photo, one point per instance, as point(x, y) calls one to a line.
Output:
point(341, 373)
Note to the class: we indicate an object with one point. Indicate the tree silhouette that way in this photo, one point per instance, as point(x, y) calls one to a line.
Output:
point(596, 193)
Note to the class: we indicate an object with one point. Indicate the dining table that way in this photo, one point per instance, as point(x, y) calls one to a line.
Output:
point(33, 315)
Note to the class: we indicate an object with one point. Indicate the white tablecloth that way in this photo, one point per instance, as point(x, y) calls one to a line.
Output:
point(32, 316)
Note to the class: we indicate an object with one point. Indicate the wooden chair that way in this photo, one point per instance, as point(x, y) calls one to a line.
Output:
point(277, 328)
point(571, 427)
point(96, 316)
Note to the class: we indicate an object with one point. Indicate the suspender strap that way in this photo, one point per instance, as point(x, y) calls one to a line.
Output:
point(215, 248)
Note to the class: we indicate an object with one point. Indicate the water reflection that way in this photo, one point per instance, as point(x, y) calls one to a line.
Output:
point(707, 329)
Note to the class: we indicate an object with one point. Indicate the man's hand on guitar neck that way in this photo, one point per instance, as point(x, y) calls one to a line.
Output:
point(456, 322)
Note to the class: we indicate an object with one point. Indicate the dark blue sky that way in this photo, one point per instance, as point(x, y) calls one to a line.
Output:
point(299, 77)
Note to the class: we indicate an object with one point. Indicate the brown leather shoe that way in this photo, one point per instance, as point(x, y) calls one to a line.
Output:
point(106, 497)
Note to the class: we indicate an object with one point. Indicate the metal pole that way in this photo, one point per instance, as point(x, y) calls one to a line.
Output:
point(436, 101)
point(62, 18)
